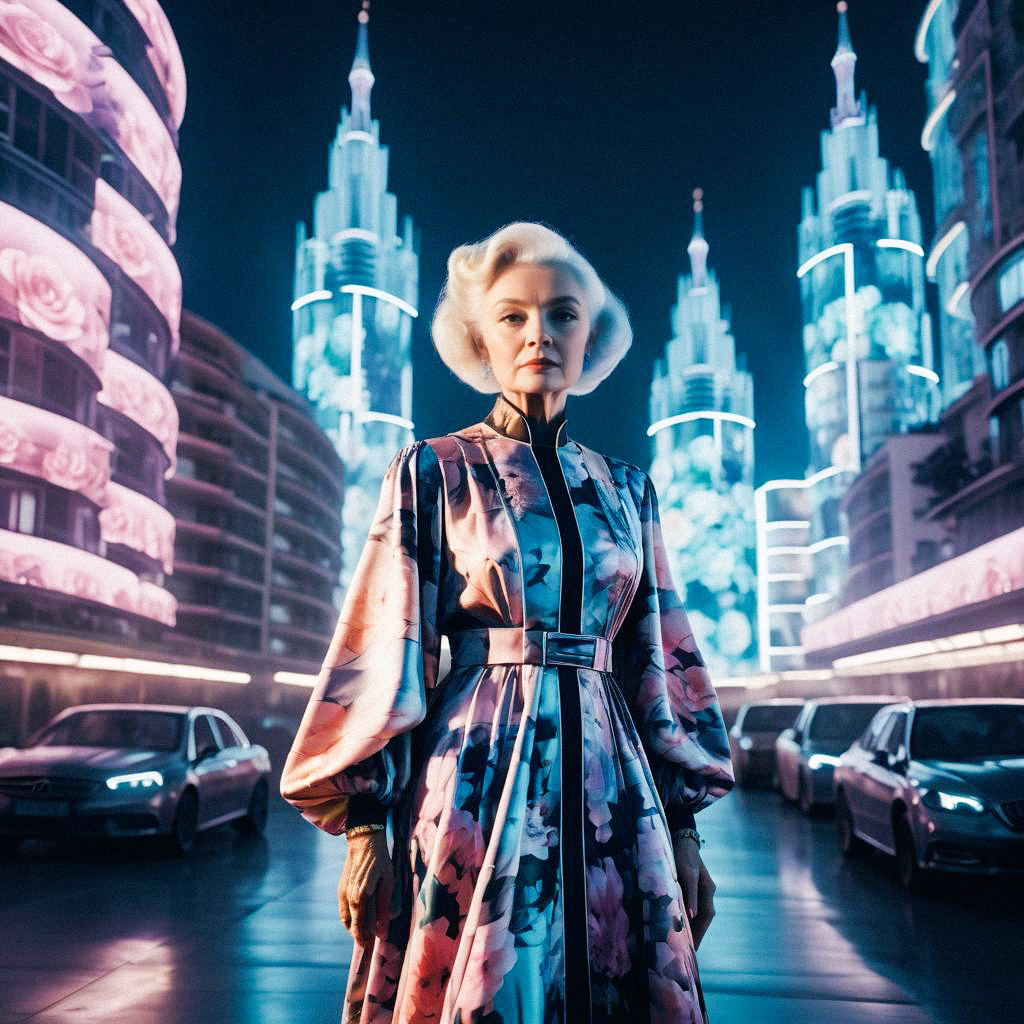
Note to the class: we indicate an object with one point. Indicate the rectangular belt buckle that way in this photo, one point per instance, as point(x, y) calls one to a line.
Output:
point(585, 648)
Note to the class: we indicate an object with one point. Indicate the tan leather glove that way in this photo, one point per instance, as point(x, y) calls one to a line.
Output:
point(364, 892)
point(697, 885)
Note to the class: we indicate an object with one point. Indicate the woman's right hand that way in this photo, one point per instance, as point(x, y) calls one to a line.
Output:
point(364, 892)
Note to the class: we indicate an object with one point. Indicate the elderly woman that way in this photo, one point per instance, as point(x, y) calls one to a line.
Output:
point(545, 864)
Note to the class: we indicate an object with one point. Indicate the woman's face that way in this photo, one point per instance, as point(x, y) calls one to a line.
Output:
point(535, 326)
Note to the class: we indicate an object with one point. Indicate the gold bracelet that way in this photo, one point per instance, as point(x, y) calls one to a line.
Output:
point(691, 832)
point(358, 830)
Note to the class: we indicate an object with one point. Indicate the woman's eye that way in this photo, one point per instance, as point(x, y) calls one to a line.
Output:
point(512, 317)
point(566, 314)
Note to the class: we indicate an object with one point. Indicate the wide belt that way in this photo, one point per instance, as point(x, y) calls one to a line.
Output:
point(513, 645)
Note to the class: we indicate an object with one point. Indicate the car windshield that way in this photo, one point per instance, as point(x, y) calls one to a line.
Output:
point(770, 718)
point(124, 729)
point(968, 732)
point(841, 721)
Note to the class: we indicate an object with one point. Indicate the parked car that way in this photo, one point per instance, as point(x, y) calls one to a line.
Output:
point(133, 770)
point(753, 734)
point(938, 784)
point(806, 754)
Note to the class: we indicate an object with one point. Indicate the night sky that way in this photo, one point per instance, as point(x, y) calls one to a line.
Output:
point(596, 118)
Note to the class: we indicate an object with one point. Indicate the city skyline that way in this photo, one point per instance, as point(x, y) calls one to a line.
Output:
point(700, 151)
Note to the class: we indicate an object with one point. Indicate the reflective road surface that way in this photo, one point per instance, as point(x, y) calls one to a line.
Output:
point(248, 931)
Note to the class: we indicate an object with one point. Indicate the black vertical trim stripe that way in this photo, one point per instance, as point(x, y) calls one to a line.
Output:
point(576, 937)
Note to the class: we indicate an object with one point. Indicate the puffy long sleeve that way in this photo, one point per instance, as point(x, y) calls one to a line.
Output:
point(355, 740)
point(671, 696)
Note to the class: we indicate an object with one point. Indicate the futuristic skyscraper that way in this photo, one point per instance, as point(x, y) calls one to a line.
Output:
point(702, 408)
point(867, 335)
point(356, 291)
point(947, 264)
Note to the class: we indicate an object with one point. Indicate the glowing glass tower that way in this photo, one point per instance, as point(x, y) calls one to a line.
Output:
point(702, 408)
point(356, 292)
point(867, 335)
point(947, 262)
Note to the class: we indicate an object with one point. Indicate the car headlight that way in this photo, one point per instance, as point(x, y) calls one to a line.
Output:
point(940, 800)
point(818, 760)
point(136, 780)
point(746, 742)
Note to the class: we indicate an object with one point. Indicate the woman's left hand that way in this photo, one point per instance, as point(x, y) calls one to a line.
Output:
point(697, 885)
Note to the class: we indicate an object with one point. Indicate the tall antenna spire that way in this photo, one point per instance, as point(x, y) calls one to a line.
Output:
point(847, 110)
point(698, 247)
point(360, 78)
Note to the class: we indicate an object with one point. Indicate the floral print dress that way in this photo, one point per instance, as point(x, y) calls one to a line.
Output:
point(530, 800)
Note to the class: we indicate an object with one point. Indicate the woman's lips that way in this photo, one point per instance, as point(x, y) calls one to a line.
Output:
point(540, 362)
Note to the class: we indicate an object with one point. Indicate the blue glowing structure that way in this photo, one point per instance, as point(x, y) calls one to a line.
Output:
point(947, 264)
point(356, 294)
point(867, 334)
point(702, 408)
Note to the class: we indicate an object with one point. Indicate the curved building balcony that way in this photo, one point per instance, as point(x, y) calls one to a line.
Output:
point(138, 460)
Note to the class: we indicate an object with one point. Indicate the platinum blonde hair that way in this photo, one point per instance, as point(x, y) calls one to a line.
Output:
point(474, 267)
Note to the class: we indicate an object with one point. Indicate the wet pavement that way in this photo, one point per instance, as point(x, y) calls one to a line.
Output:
point(247, 932)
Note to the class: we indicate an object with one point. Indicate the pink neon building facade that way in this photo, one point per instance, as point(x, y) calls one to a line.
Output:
point(92, 95)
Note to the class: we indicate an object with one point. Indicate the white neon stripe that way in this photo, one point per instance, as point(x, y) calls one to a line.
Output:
point(44, 656)
point(786, 549)
point(996, 637)
point(361, 233)
point(857, 195)
point(900, 243)
point(923, 371)
point(780, 524)
point(828, 542)
point(358, 133)
point(819, 370)
point(295, 679)
point(786, 608)
point(932, 122)
point(818, 598)
point(785, 577)
point(920, 52)
point(388, 417)
point(825, 254)
point(786, 650)
point(377, 293)
point(686, 417)
point(318, 296)
point(941, 246)
point(957, 297)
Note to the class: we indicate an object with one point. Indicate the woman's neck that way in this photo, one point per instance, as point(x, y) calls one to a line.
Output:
point(544, 407)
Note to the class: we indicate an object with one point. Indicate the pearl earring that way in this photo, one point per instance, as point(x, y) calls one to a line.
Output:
point(586, 357)
point(486, 371)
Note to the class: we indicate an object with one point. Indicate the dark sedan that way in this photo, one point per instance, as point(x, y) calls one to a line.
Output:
point(753, 735)
point(133, 770)
point(938, 784)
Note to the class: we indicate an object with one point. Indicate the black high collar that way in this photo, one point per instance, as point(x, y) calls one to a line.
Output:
point(507, 418)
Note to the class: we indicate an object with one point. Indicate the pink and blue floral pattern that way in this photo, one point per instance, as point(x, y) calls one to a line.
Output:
point(464, 537)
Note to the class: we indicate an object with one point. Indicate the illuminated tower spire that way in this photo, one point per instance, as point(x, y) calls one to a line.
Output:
point(847, 110)
point(360, 78)
point(698, 247)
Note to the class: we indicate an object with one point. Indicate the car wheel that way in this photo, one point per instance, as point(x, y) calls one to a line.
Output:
point(185, 824)
point(911, 875)
point(255, 819)
point(850, 844)
point(805, 793)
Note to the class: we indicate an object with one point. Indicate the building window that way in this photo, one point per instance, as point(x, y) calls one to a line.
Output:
point(1000, 365)
point(17, 508)
point(1011, 283)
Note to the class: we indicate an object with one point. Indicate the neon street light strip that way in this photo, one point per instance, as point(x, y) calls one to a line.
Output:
point(786, 650)
point(822, 474)
point(819, 370)
point(296, 679)
point(900, 243)
point(1000, 644)
point(787, 549)
point(957, 297)
point(686, 417)
point(321, 295)
point(786, 608)
point(832, 250)
point(781, 524)
point(387, 417)
point(920, 49)
point(377, 293)
point(42, 656)
point(932, 264)
point(785, 577)
point(818, 598)
point(923, 371)
point(938, 112)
